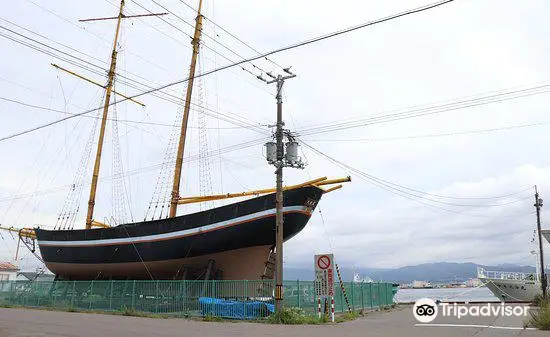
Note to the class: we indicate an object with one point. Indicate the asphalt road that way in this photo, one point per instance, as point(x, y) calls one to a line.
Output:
point(400, 322)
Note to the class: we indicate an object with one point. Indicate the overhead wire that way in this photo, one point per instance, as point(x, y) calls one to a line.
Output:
point(427, 110)
point(435, 135)
point(278, 50)
point(407, 192)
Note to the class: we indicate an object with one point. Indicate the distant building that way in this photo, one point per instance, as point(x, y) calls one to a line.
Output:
point(473, 282)
point(8, 271)
point(421, 284)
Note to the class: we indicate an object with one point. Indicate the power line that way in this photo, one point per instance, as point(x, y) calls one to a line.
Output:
point(399, 186)
point(385, 185)
point(447, 134)
point(427, 110)
point(293, 46)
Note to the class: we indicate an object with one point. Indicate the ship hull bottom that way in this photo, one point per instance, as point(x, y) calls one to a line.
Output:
point(239, 264)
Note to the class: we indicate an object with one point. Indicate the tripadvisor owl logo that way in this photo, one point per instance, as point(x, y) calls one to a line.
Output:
point(425, 310)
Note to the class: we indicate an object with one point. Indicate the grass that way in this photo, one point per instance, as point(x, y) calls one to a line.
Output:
point(295, 316)
point(541, 318)
point(122, 312)
point(212, 318)
point(347, 316)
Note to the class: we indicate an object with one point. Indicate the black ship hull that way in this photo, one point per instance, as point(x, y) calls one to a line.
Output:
point(236, 237)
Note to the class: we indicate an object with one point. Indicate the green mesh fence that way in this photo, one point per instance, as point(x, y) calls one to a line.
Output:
point(234, 299)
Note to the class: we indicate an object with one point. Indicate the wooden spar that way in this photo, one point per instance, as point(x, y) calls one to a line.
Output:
point(109, 88)
point(255, 192)
point(94, 82)
point(124, 17)
point(23, 232)
point(333, 188)
point(99, 224)
point(181, 145)
point(316, 182)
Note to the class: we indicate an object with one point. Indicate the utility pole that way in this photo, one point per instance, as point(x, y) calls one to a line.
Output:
point(280, 162)
point(538, 205)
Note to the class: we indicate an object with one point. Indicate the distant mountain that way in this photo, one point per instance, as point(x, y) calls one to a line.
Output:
point(432, 272)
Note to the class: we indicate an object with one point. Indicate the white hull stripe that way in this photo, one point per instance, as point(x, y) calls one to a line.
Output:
point(176, 234)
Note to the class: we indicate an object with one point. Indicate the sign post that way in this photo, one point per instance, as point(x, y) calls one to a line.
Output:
point(324, 279)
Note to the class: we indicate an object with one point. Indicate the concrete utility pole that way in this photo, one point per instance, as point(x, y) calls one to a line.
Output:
point(279, 164)
point(538, 205)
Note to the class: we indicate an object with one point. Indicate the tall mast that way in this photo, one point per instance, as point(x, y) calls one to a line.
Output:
point(108, 90)
point(181, 146)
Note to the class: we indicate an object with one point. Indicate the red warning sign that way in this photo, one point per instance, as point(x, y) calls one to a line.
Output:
point(323, 262)
point(324, 275)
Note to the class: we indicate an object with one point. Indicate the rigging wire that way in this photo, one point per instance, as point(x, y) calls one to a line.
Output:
point(180, 30)
point(278, 50)
point(132, 83)
point(94, 34)
point(96, 117)
point(203, 33)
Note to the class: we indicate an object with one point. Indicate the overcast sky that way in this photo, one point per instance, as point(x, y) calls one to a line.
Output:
point(461, 50)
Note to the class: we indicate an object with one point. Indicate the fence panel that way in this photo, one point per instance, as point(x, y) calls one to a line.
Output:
point(232, 299)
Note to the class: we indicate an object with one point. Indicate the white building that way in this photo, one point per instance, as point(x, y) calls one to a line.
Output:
point(8, 271)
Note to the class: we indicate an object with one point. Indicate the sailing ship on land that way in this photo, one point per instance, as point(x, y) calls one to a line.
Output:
point(234, 241)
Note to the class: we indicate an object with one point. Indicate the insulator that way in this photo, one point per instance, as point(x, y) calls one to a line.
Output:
point(292, 152)
point(271, 152)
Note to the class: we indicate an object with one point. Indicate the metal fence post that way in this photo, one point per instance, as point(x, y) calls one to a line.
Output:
point(362, 296)
point(352, 296)
point(91, 293)
point(74, 290)
point(111, 296)
point(299, 292)
point(245, 299)
point(379, 297)
point(370, 294)
point(157, 297)
point(134, 295)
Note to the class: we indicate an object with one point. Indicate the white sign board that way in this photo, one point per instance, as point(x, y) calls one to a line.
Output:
point(324, 275)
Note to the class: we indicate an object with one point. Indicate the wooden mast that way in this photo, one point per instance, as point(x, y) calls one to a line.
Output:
point(109, 88)
point(181, 146)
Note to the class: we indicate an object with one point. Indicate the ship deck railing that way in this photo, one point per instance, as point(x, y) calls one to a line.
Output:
point(506, 275)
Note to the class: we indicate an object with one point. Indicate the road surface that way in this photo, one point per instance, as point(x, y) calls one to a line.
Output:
point(399, 322)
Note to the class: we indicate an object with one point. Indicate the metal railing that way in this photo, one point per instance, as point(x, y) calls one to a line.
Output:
point(506, 275)
point(232, 299)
